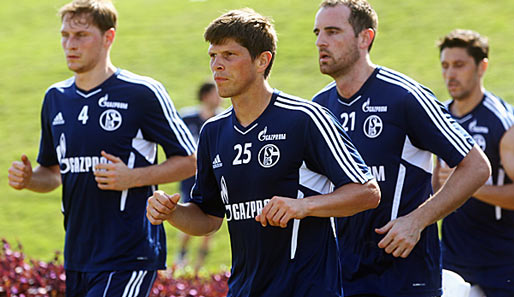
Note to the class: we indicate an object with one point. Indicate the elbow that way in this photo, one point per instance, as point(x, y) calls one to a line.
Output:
point(483, 169)
point(372, 194)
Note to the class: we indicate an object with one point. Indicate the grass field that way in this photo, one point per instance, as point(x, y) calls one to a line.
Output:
point(164, 39)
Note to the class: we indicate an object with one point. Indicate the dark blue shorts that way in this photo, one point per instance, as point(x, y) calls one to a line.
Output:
point(109, 283)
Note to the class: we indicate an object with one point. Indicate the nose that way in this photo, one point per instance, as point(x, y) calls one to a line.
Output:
point(320, 40)
point(216, 64)
point(69, 43)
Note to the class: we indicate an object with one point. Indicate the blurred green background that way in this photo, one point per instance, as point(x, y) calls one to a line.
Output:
point(164, 40)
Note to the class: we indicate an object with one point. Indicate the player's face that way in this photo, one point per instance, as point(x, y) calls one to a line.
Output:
point(336, 41)
point(233, 69)
point(82, 42)
point(460, 72)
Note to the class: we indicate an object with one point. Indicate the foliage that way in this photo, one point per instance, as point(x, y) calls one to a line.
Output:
point(20, 277)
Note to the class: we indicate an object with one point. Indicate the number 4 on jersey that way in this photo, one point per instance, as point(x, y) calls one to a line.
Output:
point(83, 115)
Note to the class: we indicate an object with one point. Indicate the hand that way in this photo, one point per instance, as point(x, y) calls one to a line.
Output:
point(113, 176)
point(280, 210)
point(402, 235)
point(20, 173)
point(160, 206)
point(444, 173)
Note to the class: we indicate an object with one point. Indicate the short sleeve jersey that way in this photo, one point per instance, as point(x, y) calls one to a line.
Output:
point(396, 124)
point(479, 234)
point(295, 149)
point(126, 116)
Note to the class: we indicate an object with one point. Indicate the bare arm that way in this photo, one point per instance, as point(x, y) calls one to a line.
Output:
point(117, 176)
point(403, 233)
point(187, 217)
point(42, 179)
point(501, 195)
point(346, 200)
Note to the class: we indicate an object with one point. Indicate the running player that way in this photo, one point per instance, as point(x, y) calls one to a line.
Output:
point(99, 136)
point(396, 124)
point(478, 238)
point(269, 164)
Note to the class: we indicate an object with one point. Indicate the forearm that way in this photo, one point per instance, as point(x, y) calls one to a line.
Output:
point(344, 201)
point(175, 168)
point(190, 219)
point(502, 196)
point(44, 179)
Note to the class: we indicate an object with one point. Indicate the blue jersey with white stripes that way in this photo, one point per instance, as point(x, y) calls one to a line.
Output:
point(126, 116)
point(478, 234)
point(396, 124)
point(295, 149)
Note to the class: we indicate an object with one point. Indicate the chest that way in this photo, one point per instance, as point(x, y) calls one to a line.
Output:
point(88, 123)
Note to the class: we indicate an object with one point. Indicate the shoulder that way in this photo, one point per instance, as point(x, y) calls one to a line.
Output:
point(403, 86)
point(325, 92)
point(218, 119)
point(61, 86)
point(300, 108)
point(499, 108)
point(142, 83)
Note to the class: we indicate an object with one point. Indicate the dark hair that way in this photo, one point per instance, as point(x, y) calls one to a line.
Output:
point(102, 12)
point(248, 28)
point(476, 45)
point(204, 89)
point(362, 15)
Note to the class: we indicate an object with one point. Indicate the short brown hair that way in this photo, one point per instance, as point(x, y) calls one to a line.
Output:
point(102, 12)
point(362, 15)
point(476, 45)
point(248, 28)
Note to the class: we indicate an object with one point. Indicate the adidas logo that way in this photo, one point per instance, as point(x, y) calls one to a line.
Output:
point(217, 162)
point(58, 120)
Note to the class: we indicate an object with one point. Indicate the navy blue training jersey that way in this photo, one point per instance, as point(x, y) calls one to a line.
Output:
point(479, 235)
point(126, 116)
point(396, 124)
point(294, 149)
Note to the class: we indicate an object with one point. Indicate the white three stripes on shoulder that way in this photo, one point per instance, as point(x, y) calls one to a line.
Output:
point(329, 132)
point(499, 110)
point(431, 107)
point(176, 124)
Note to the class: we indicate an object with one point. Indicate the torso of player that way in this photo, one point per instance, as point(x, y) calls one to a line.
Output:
point(375, 124)
point(254, 163)
point(85, 123)
point(487, 123)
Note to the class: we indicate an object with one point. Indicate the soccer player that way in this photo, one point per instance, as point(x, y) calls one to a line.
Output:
point(396, 124)
point(269, 165)
point(99, 135)
point(478, 238)
point(194, 118)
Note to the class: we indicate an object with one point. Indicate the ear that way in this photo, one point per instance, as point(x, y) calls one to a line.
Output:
point(109, 37)
point(365, 38)
point(482, 66)
point(262, 61)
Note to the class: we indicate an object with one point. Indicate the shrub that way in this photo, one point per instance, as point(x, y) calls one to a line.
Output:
point(20, 277)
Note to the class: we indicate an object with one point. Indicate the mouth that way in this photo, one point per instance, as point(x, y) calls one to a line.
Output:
point(219, 79)
point(323, 57)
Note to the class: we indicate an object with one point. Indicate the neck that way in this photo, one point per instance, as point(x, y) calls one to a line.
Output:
point(465, 105)
point(249, 105)
point(349, 83)
point(94, 77)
